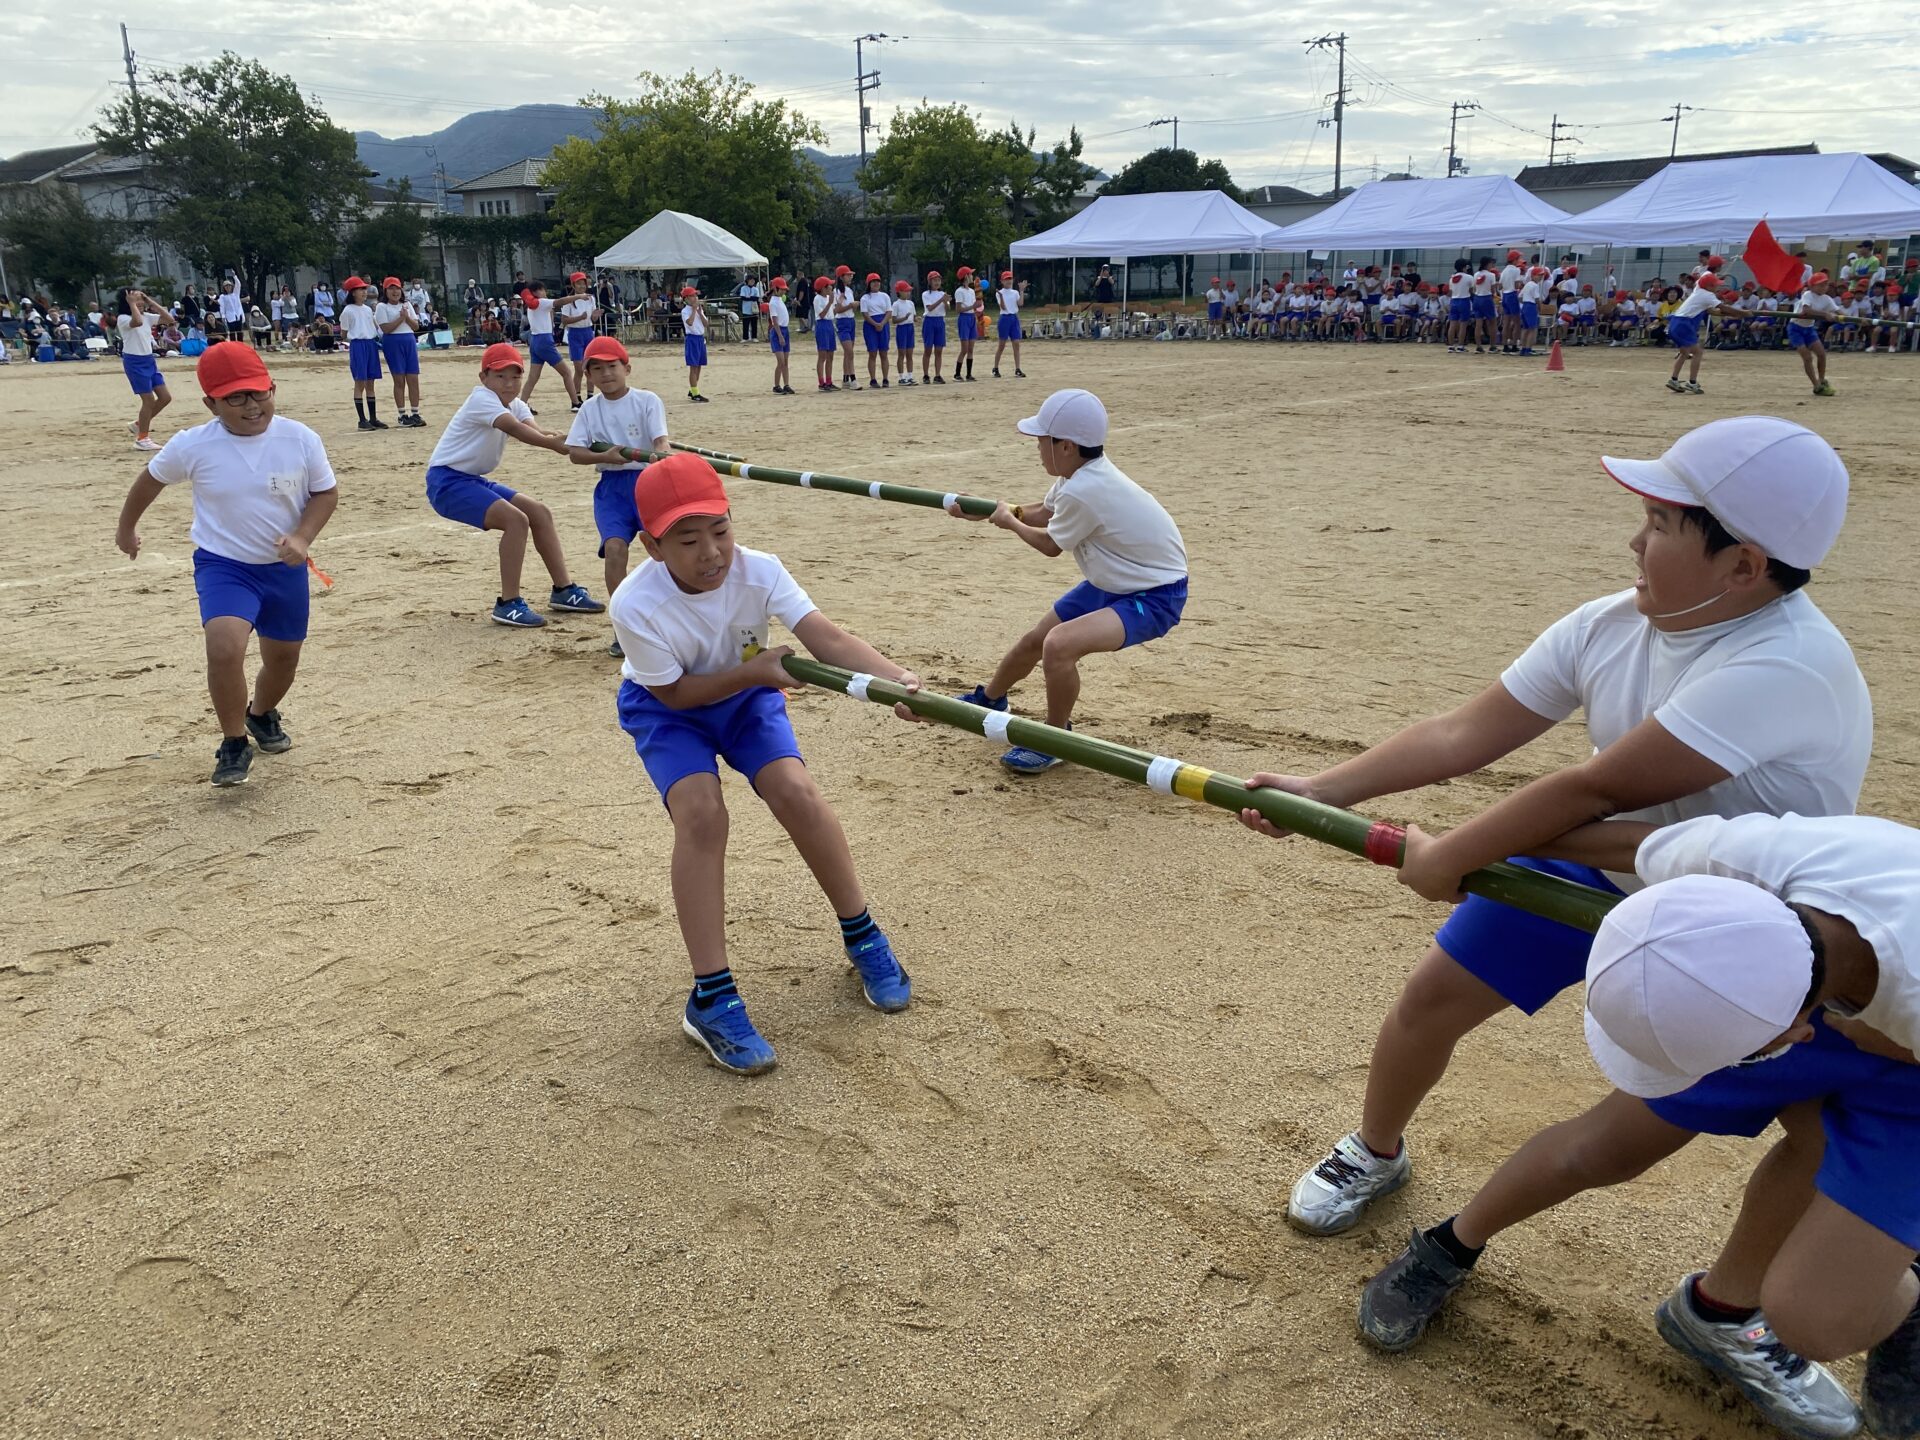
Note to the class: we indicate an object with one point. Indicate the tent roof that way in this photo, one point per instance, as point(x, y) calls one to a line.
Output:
point(1467, 210)
point(1707, 201)
point(673, 241)
point(1171, 222)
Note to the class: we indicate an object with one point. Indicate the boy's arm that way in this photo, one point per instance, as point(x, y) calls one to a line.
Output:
point(145, 491)
point(531, 434)
point(827, 642)
point(692, 691)
point(292, 548)
point(1605, 845)
point(1034, 535)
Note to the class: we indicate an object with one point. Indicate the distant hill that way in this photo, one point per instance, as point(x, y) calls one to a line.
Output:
point(488, 139)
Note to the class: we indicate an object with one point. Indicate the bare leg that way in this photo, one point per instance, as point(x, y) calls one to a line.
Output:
point(226, 640)
point(700, 869)
point(514, 527)
point(803, 812)
point(1439, 1003)
point(1839, 1286)
point(1777, 1196)
point(614, 552)
point(1062, 649)
point(546, 537)
point(1018, 662)
point(279, 659)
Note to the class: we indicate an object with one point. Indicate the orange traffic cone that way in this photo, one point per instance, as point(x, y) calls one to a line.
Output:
point(1555, 360)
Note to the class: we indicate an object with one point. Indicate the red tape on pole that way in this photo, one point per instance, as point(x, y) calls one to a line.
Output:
point(1384, 843)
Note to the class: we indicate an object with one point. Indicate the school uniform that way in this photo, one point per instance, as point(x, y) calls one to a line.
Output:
point(902, 313)
point(1483, 283)
point(635, 420)
point(401, 346)
point(248, 491)
point(574, 313)
point(136, 352)
point(363, 341)
point(541, 349)
point(1460, 297)
point(1510, 301)
point(667, 633)
point(1683, 326)
point(874, 310)
point(470, 449)
point(933, 319)
point(1126, 545)
point(825, 338)
point(1216, 303)
point(963, 302)
point(1008, 325)
point(843, 313)
point(693, 324)
point(779, 339)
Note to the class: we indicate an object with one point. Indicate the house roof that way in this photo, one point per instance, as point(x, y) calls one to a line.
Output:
point(33, 165)
point(524, 174)
point(1276, 195)
point(1631, 172)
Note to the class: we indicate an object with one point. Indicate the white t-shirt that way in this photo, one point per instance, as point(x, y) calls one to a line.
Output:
point(231, 310)
point(576, 310)
point(749, 294)
point(1483, 282)
point(963, 300)
point(843, 301)
point(1773, 698)
point(248, 491)
point(1824, 307)
point(1122, 538)
point(693, 318)
point(356, 321)
point(470, 443)
point(1459, 285)
point(1009, 299)
point(822, 306)
point(1863, 869)
point(875, 306)
point(777, 311)
point(1530, 293)
point(540, 316)
point(1698, 302)
point(934, 303)
point(1214, 296)
point(385, 314)
point(1588, 305)
point(1509, 278)
point(668, 633)
point(637, 418)
point(902, 310)
point(136, 333)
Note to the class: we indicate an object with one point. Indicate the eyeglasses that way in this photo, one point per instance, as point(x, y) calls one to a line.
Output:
point(241, 399)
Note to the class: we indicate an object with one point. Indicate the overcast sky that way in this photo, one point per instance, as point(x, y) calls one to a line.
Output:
point(1242, 82)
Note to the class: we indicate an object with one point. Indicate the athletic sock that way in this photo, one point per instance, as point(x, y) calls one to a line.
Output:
point(853, 931)
point(1712, 1311)
point(373, 409)
point(359, 407)
point(1393, 1154)
point(707, 989)
point(1449, 1244)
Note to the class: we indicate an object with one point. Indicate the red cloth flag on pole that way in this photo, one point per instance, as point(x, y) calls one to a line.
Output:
point(1771, 266)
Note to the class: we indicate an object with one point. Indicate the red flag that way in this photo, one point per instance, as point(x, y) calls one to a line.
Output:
point(1771, 266)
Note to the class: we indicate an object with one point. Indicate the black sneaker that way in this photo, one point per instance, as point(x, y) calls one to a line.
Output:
point(365, 424)
point(1019, 374)
point(1890, 1393)
point(267, 733)
point(615, 651)
point(232, 761)
point(996, 372)
point(1401, 1301)
point(378, 425)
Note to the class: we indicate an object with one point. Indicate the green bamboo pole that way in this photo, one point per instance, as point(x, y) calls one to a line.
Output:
point(840, 484)
point(707, 454)
point(1545, 895)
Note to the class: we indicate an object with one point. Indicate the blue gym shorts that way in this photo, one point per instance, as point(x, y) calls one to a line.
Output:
point(463, 497)
point(1146, 614)
point(694, 350)
point(143, 373)
point(1526, 959)
point(969, 326)
point(1529, 316)
point(363, 359)
point(1683, 330)
point(1870, 1111)
point(1215, 308)
point(272, 598)
point(1799, 337)
point(578, 338)
point(615, 515)
point(778, 340)
point(749, 731)
point(1510, 302)
point(903, 336)
point(1482, 307)
point(933, 332)
point(843, 327)
point(402, 350)
point(1460, 308)
point(876, 340)
point(1009, 327)
point(542, 351)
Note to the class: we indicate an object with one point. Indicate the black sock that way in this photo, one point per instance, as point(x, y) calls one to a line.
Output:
point(853, 931)
point(373, 408)
point(1713, 1311)
point(707, 989)
point(1449, 1244)
point(359, 407)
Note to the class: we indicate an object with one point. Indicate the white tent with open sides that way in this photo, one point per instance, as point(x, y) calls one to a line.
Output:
point(1457, 214)
point(1173, 222)
point(673, 241)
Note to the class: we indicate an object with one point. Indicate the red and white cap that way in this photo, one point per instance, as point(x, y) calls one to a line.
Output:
point(1006, 274)
point(1075, 415)
point(1707, 280)
point(1513, 254)
point(1770, 482)
point(353, 283)
point(669, 490)
point(1689, 976)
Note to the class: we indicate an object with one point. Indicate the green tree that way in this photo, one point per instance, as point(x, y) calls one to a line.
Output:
point(837, 234)
point(695, 143)
point(55, 240)
point(251, 174)
point(1059, 176)
point(388, 242)
point(1159, 170)
point(491, 237)
point(936, 163)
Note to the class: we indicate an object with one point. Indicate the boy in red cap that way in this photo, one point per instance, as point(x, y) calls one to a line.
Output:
point(399, 324)
point(262, 490)
point(698, 686)
point(966, 304)
point(874, 309)
point(1684, 329)
point(472, 447)
point(540, 347)
point(1010, 299)
point(615, 414)
point(825, 341)
point(693, 325)
point(933, 329)
point(577, 313)
point(780, 335)
point(900, 315)
point(845, 304)
point(363, 352)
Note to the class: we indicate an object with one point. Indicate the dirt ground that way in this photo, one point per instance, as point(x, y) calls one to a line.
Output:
point(353, 1101)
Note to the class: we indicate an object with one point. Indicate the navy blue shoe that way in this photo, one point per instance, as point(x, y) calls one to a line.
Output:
point(576, 599)
point(517, 613)
point(978, 696)
point(885, 983)
point(726, 1033)
point(1024, 761)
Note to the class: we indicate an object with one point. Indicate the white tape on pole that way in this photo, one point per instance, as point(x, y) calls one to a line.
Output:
point(873, 490)
point(857, 685)
point(806, 478)
point(995, 725)
point(950, 499)
point(1160, 775)
point(746, 472)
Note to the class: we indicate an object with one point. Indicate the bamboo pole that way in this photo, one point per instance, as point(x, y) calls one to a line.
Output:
point(1546, 895)
point(808, 479)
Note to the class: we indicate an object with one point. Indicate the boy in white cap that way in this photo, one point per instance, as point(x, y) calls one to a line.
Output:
point(1714, 686)
point(1125, 544)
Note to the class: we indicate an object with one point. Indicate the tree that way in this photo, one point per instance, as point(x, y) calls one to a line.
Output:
point(937, 164)
point(1059, 177)
point(58, 242)
point(493, 238)
point(837, 234)
point(1159, 170)
point(697, 143)
point(388, 243)
point(249, 172)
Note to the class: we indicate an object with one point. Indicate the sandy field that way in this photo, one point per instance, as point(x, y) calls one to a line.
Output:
point(353, 1101)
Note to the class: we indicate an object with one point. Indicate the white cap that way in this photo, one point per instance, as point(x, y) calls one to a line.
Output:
point(1770, 482)
point(1689, 976)
point(1075, 415)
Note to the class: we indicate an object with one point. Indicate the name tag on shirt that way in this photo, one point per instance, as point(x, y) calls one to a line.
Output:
point(292, 482)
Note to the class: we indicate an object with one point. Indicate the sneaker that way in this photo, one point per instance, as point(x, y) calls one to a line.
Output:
point(1825, 387)
point(147, 442)
point(884, 384)
point(1402, 1300)
point(1023, 760)
point(1675, 386)
point(726, 1033)
point(1891, 1389)
point(882, 980)
point(1019, 374)
point(938, 380)
point(613, 649)
point(267, 733)
point(374, 424)
point(1693, 388)
point(232, 761)
point(696, 399)
point(575, 405)
point(1792, 1392)
point(978, 696)
point(365, 425)
point(518, 613)
point(575, 599)
point(996, 372)
point(1332, 1196)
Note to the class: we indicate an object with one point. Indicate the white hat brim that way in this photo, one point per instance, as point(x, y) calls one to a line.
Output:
point(1030, 426)
point(1629, 1074)
point(1651, 478)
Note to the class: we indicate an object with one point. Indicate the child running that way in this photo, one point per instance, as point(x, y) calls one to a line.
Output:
point(363, 352)
point(399, 325)
point(933, 329)
point(1684, 325)
point(1815, 308)
point(965, 306)
point(1125, 544)
point(1007, 326)
point(577, 313)
point(902, 318)
point(693, 325)
point(779, 336)
point(135, 315)
point(874, 311)
point(541, 349)
point(262, 490)
point(698, 687)
point(615, 414)
point(825, 341)
point(470, 449)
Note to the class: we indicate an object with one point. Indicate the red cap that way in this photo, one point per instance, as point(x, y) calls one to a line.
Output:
point(1819, 277)
point(1513, 254)
point(843, 270)
point(1214, 281)
point(1714, 262)
point(964, 271)
point(605, 347)
point(1586, 289)
point(1539, 272)
point(670, 490)
point(1571, 270)
point(820, 282)
point(502, 356)
point(1708, 280)
point(779, 282)
point(872, 278)
point(1006, 274)
point(390, 280)
point(576, 275)
point(934, 275)
point(688, 290)
point(902, 285)
point(223, 369)
point(354, 282)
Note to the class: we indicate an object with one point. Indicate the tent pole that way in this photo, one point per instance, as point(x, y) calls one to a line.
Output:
point(1073, 289)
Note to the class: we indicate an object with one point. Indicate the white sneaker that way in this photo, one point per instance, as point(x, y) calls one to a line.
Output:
point(147, 442)
point(1792, 1392)
point(1333, 1195)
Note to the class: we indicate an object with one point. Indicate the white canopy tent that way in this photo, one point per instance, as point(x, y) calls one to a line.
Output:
point(1461, 213)
point(1704, 202)
point(673, 241)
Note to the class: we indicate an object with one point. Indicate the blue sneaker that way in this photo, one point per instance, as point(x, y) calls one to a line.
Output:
point(1023, 761)
point(726, 1033)
point(885, 983)
point(978, 696)
point(576, 599)
point(518, 613)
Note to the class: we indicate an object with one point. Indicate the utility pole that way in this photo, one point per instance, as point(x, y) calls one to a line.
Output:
point(1556, 139)
point(1674, 120)
point(1454, 167)
point(865, 83)
point(1337, 43)
point(133, 88)
point(1173, 120)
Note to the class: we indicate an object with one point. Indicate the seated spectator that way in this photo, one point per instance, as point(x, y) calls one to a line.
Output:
point(320, 335)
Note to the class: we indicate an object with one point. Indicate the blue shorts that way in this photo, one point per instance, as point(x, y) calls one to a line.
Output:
point(843, 327)
point(402, 349)
point(1009, 327)
point(1145, 614)
point(578, 338)
point(615, 515)
point(1214, 307)
point(903, 336)
point(1460, 308)
point(823, 340)
point(875, 339)
point(779, 341)
point(363, 359)
point(1526, 959)
point(1801, 336)
point(1683, 330)
point(1482, 307)
point(143, 373)
point(749, 731)
point(542, 351)
point(933, 332)
point(1870, 1111)
point(1529, 316)
point(272, 598)
point(1510, 302)
point(463, 497)
point(694, 350)
point(1373, 299)
point(969, 327)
